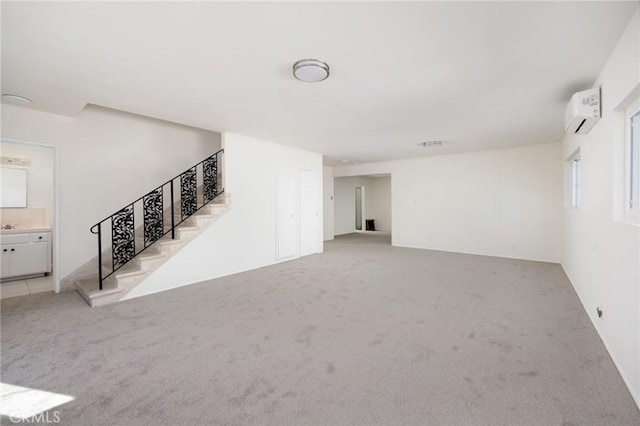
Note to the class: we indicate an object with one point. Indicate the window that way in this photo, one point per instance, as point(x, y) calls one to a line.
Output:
point(574, 179)
point(632, 124)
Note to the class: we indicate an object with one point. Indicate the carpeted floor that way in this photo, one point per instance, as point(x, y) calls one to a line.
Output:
point(363, 334)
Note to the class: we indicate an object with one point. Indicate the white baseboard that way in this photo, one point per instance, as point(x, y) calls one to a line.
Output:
point(634, 395)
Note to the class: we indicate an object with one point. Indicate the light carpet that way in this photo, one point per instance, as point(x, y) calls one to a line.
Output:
point(363, 334)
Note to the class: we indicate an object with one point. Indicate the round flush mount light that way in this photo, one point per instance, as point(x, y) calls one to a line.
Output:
point(310, 70)
point(16, 99)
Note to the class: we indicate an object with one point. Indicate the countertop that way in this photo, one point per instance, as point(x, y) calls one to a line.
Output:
point(21, 230)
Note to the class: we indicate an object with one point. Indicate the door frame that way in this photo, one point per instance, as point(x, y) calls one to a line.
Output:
point(56, 204)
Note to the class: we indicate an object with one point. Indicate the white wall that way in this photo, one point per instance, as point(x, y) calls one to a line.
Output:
point(601, 253)
point(505, 202)
point(327, 203)
point(107, 159)
point(379, 202)
point(39, 175)
point(245, 237)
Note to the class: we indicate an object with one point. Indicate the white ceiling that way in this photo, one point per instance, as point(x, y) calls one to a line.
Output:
point(475, 75)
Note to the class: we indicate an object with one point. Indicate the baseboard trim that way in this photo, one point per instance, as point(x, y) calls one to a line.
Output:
point(501, 256)
point(634, 396)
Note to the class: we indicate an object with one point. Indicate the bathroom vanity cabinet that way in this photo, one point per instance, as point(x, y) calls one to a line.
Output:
point(26, 253)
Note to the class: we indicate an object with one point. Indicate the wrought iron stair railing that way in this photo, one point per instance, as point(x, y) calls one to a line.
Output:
point(197, 186)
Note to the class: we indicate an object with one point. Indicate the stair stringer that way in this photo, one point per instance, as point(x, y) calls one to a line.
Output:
point(219, 251)
point(119, 285)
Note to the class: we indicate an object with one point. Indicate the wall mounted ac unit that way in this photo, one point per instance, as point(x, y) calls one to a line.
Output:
point(583, 111)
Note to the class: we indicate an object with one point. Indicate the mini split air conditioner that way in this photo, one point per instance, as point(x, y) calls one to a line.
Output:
point(583, 111)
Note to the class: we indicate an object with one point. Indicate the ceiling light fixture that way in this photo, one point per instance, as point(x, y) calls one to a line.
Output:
point(430, 144)
point(310, 70)
point(16, 99)
point(343, 161)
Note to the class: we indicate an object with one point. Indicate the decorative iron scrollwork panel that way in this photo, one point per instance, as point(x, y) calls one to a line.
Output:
point(188, 194)
point(123, 222)
point(153, 217)
point(210, 178)
point(123, 236)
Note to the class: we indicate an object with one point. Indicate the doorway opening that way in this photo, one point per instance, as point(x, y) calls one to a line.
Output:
point(362, 207)
point(29, 238)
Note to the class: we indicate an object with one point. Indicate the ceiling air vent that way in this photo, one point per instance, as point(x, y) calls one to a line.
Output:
point(430, 144)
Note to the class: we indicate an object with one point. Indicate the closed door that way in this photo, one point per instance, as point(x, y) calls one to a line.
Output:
point(310, 231)
point(4, 264)
point(28, 259)
point(287, 235)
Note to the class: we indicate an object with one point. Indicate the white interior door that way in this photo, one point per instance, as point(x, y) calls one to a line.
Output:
point(310, 232)
point(287, 235)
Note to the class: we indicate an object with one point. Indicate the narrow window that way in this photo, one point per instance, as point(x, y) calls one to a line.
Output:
point(574, 180)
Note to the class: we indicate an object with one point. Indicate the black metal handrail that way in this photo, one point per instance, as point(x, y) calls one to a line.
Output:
point(152, 212)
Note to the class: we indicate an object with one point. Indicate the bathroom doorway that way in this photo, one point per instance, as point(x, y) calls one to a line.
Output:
point(29, 238)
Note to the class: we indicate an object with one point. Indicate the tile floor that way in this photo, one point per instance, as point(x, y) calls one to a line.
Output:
point(26, 287)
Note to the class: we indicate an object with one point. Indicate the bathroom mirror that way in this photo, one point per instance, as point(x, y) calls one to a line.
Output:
point(13, 187)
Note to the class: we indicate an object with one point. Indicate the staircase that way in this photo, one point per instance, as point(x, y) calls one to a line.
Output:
point(167, 220)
